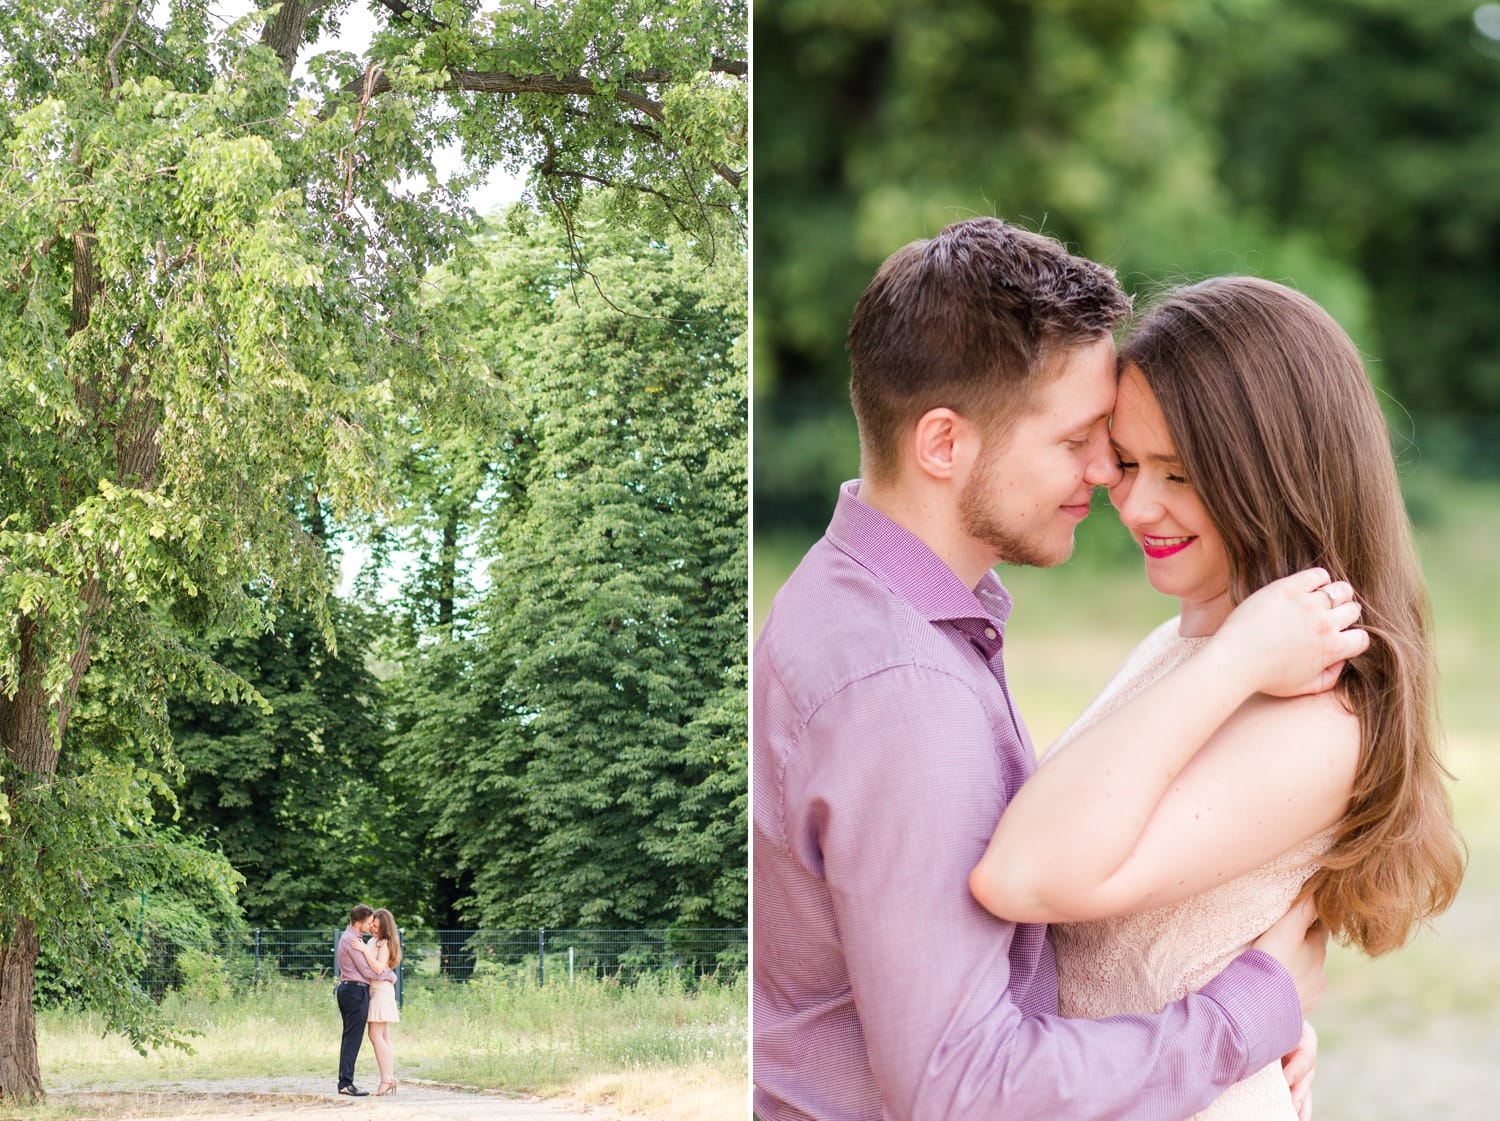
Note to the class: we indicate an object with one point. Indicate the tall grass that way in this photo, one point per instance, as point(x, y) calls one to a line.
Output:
point(634, 1044)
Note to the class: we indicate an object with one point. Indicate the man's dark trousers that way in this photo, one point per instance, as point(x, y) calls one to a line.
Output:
point(354, 1006)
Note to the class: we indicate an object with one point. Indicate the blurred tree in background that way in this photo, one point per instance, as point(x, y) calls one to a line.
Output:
point(1348, 148)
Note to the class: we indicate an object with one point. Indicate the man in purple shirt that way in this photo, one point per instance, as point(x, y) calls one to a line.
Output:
point(886, 743)
point(353, 992)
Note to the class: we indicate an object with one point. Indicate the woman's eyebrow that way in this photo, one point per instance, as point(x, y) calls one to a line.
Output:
point(1173, 460)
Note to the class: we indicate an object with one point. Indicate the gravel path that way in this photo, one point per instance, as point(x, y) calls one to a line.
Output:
point(285, 1099)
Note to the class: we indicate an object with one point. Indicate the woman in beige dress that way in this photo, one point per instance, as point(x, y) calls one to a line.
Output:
point(1250, 446)
point(383, 952)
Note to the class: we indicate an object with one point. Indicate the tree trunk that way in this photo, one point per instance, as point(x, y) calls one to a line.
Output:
point(448, 571)
point(20, 1070)
point(283, 32)
point(31, 752)
point(32, 741)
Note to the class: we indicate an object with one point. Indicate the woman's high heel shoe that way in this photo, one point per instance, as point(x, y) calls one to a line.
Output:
point(385, 1088)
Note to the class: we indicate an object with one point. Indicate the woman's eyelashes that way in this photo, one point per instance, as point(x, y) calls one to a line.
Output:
point(1127, 465)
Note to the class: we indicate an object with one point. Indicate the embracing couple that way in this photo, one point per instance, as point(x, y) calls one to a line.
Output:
point(366, 994)
point(1135, 928)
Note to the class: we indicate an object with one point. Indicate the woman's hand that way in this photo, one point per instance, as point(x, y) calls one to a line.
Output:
point(1294, 635)
point(1299, 1066)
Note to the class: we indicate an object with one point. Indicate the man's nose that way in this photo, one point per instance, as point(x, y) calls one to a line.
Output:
point(1103, 469)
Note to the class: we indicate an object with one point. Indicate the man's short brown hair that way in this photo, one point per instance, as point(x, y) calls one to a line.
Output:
point(360, 913)
point(967, 321)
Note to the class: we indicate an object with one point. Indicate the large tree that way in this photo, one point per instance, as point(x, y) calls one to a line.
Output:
point(210, 315)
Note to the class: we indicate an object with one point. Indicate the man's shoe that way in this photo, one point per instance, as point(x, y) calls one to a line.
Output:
point(352, 1091)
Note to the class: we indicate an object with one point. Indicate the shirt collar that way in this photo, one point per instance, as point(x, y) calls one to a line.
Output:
point(905, 564)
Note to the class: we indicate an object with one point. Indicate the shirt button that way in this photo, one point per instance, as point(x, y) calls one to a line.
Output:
point(989, 632)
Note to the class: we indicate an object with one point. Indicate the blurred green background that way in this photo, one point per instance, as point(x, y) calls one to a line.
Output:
point(1350, 148)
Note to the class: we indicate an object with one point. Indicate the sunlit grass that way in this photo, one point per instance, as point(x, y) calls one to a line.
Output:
point(588, 1039)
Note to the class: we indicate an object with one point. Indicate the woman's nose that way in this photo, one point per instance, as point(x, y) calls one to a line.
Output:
point(1134, 503)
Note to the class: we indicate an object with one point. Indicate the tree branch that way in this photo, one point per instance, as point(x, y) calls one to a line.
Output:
point(503, 82)
point(111, 60)
point(371, 76)
point(407, 12)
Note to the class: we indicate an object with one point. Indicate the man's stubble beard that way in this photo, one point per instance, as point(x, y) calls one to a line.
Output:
point(978, 520)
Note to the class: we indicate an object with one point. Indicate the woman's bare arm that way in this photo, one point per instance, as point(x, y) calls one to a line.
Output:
point(1277, 773)
point(1115, 822)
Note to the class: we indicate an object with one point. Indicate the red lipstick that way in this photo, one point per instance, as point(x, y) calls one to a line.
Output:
point(1160, 547)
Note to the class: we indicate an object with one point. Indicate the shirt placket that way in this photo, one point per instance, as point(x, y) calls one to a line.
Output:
point(988, 638)
point(995, 659)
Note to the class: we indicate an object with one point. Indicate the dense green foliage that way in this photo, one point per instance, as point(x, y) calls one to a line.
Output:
point(293, 791)
point(1349, 148)
point(213, 333)
point(579, 744)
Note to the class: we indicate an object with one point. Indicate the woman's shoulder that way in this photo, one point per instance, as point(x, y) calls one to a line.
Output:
point(1324, 714)
point(1318, 732)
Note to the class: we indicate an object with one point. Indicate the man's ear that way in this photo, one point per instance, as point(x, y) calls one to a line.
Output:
point(944, 445)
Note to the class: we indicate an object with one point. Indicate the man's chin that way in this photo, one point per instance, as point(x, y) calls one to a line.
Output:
point(1034, 554)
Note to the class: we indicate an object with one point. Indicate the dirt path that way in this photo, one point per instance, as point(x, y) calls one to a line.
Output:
point(305, 1099)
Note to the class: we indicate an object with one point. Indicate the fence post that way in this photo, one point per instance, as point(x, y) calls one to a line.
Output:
point(541, 957)
point(257, 955)
point(570, 965)
point(400, 973)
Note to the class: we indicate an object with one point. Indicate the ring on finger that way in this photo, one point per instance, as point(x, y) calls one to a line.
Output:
point(1332, 602)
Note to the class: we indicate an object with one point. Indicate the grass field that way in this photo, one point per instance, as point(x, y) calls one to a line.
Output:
point(652, 1048)
point(1412, 1034)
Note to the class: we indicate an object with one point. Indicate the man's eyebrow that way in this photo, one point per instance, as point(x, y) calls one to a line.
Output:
point(1084, 426)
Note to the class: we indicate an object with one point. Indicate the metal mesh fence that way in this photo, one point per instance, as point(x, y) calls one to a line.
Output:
point(535, 956)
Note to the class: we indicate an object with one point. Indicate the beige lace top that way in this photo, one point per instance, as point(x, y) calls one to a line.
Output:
point(1142, 962)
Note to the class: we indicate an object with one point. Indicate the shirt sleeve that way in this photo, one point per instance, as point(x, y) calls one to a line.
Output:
point(898, 803)
point(355, 958)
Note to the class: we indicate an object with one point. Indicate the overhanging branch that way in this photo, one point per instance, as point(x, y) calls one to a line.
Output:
point(563, 85)
point(284, 32)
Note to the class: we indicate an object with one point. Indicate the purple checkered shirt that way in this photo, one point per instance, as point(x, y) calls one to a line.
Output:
point(352, 963)
point(886, 746)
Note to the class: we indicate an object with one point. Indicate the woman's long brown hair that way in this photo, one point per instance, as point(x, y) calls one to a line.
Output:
point(1279, 430)
point(386, 931)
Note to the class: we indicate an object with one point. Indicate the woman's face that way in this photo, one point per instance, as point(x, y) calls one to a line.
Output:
point(1156, 500)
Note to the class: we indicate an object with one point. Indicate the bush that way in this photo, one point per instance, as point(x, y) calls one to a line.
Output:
point(204, 977)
